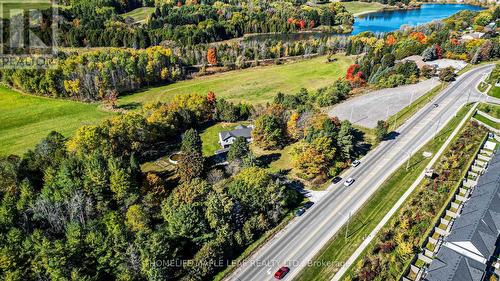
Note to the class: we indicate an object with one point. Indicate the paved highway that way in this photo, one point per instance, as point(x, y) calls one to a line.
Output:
point(302, 238)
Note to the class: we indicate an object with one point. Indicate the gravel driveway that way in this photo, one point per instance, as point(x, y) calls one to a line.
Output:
point(367, 109)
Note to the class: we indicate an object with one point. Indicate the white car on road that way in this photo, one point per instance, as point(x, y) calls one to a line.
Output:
point(349, 181)
point(355, 163)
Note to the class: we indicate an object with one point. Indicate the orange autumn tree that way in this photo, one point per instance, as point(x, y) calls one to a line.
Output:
point(391, 40)
point(419, 36)
point(211, 97)
point(212, 56)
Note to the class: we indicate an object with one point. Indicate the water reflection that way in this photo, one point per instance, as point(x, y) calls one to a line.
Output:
point(379, 22)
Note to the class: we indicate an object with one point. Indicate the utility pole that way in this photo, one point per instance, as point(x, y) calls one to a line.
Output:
point(437, 126)
point(408, 161)
point(347, 227)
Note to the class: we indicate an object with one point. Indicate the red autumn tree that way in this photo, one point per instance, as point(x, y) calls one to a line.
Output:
point(311, 24)
point(351, 71)
point(439, 51)
point(301, 24)
point(355, 76)
point(179, 3)
point(212, 56)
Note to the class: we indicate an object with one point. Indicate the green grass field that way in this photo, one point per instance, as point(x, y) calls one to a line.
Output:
point(210, 136)
point(494, 92)
point(357, 7)
point(140, 14)
point(493, 110)
point(24, 119)
point(340, 248)
point(13, 7)
point(487, 121)
point(252, 85)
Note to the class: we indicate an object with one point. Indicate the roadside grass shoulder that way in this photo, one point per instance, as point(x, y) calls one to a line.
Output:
point(406, 113)
point(494, 92)
point(341, 247)
point(487, 121)
point(492, 110)
point(482, 87)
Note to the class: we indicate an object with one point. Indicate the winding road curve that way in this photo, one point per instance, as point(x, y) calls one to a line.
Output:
point(301, 239)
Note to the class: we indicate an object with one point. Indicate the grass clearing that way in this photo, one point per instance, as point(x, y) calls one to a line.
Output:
point(494, 92)
point(12, 8)
point(482, 87)
point(140, 15)
point(492, 110)
point(25, 119)
point(358, 8)
point(210, 136)
point(340, 248)
point(252, 85)
point(487, 121)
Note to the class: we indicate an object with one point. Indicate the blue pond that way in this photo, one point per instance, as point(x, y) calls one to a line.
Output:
point(393, 20)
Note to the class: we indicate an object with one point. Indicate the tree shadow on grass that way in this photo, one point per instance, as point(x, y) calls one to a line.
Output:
point(130, 106)
point(266, 160)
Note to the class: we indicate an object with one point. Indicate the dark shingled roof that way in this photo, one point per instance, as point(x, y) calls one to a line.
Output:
point(478, 225)
point(239, 131)
point(452, 266)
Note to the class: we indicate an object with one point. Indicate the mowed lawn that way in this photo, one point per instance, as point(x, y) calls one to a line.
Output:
point(495, 92)
point(24, 119)
point(251, 85)
point(140, 14)
point(13, 7)
point(357, 7)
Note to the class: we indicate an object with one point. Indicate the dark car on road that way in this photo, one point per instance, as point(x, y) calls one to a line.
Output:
point(299, 212)
point(336, 179)
point(308, 205)
point(281, 272)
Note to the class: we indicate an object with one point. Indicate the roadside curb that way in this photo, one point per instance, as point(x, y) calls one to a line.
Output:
point(401, 200)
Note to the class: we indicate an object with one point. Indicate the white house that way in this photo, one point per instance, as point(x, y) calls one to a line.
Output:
point(226, 138)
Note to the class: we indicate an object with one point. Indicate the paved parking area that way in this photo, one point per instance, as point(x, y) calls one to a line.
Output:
point(367, 109)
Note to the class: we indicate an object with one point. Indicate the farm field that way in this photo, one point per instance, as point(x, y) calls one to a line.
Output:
point(140, 15)
point(24, 119)
point(358, 8)
point(252, 85)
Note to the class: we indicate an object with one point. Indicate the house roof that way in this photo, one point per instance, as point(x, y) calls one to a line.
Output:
point(239, 131)
point(452, 266)
point(473, 236)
